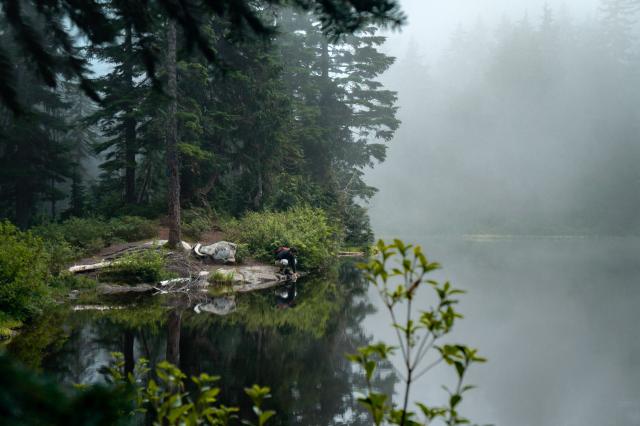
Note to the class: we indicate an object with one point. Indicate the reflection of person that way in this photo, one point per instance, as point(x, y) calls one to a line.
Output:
point(286, 258)
point(286, 296)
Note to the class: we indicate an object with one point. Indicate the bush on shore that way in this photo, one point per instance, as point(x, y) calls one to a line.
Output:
point(306, 228)
point(83, 236)
point(146, 266)
point(24, 272)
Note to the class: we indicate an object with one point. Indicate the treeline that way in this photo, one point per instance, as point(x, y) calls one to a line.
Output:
point(528, 125)
point(274, 122)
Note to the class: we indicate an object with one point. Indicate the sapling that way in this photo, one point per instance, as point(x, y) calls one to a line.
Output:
point(399, 271)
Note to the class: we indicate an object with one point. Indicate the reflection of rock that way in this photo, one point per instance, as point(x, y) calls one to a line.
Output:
point(218, 306)
point(109, 289)
point(256, 277)
point(222, 251)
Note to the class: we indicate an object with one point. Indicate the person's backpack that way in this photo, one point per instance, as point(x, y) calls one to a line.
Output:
point(280, 249)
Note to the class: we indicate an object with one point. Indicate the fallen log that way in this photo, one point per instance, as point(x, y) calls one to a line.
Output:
point(351, 254)
point(90, 267)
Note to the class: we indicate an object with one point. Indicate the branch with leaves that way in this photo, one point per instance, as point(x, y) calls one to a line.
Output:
point(399, 271)
point(166, 401)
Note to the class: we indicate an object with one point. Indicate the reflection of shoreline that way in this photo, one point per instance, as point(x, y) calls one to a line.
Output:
point(503, 237)
point(497, 237)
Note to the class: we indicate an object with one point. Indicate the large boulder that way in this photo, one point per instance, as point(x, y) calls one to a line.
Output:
point(223, 251)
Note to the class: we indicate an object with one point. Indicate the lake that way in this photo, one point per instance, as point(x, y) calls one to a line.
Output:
point(557, 318)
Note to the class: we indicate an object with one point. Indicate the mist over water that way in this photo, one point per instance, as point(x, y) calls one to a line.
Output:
point(557, 320)
point(518, 120)
point(516, 167)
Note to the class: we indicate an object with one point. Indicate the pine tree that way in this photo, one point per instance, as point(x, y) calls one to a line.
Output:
point(124, 90)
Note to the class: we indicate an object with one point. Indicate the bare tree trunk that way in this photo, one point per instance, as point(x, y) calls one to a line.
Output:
point(174, 323)
point(129, 123)
point(53, 199)
point(129, 361)
point(173, 164)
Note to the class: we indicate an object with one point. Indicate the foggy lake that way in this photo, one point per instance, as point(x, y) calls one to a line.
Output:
point(557, 319)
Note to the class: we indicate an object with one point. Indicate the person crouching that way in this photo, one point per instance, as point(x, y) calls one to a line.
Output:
point(286, 259)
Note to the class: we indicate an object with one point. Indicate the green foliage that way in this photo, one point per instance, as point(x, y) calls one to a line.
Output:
point(132, 228)
point(70, 281)
point(197, 221)
point(41, 338)
point(24, 271)
point(399, 271)
point(145, 266)
point(86, 234)
point(28, 399)
point(317, 303)
point(82, 236)
point(7, 326)
point(166, 401)
point(221, 277)
point(242, 252)
point(306, 228)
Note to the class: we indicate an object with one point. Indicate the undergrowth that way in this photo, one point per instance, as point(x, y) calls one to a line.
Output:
point(306, 228)
point(147, 266)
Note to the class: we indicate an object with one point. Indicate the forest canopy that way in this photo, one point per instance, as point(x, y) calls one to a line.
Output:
point(277, 119)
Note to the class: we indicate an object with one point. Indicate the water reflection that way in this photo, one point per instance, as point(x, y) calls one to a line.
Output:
point(292, 339)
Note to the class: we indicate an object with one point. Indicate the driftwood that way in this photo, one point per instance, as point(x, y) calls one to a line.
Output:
point(350, 254)
point(91, 267)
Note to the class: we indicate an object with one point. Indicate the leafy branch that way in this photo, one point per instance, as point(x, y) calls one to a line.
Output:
point(399, 271)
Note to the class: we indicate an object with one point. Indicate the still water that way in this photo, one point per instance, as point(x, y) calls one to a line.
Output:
point(557, 318)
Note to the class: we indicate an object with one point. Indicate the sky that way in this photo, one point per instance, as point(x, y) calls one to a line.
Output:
point(431, 22)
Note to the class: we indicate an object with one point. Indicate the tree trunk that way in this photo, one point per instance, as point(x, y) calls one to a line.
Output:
point(129, 361)
point(129, 122)
point(173, 164)
point(174, 323)
point(24, 203)
point(53, 199)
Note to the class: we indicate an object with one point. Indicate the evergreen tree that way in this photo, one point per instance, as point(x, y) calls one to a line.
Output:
point(124, 90)
point(34, 148)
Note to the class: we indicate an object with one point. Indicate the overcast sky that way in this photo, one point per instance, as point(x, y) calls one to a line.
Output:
point(431, 22)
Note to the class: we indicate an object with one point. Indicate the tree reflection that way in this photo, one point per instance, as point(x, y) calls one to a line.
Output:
point(298, 351)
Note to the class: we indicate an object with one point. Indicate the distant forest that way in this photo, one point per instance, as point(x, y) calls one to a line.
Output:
point(291, 118)
point(527, 126)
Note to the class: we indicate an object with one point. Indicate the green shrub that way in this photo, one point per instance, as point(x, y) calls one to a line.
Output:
point(146, 266)
point(7, 326)
point(88, 235)
point(242, 252)
point(69, 281)
point(306, 228)
point(84, 236)
point(132, 228)
point(197, 221)
point(24, 272)
point(61, 254)
point(221, 277)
